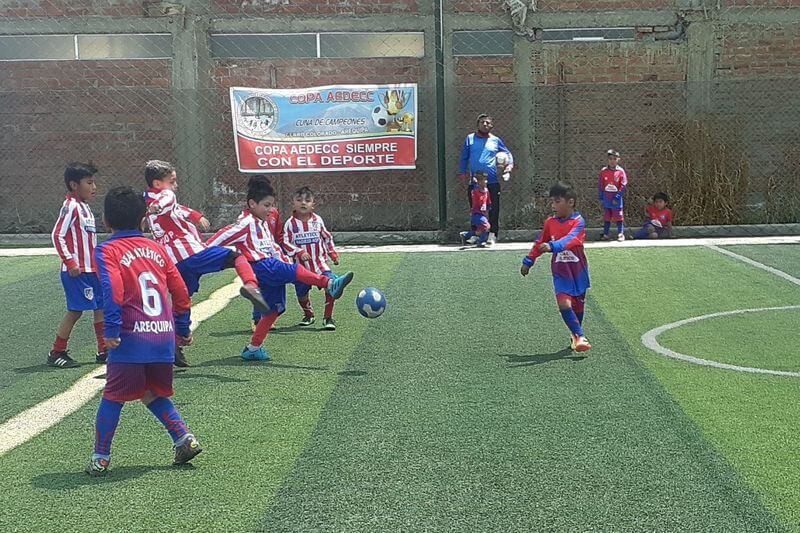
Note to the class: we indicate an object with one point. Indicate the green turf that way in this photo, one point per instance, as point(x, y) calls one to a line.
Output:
point(785, 257)
point(747, 418)
point(470, 415)
point(29, 325)
point(252, 418)
point(743, 340)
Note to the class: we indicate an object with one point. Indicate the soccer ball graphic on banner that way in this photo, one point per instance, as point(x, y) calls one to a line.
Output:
point(371, 303)
point(380, 116)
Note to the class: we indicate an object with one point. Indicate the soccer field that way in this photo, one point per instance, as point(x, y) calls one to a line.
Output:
point(460, 409)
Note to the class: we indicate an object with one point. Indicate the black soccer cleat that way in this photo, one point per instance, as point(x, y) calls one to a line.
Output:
point(97, 467)
point(61, 360)
point(101, 358)
point(254, 295)
point(329, 324)
point(307, 320)
point(180, 359)
point(187, 450)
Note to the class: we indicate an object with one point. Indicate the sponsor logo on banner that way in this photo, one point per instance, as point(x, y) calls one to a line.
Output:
point(319, 129)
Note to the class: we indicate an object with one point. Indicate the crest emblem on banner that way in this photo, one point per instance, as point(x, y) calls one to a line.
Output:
point(258, 115)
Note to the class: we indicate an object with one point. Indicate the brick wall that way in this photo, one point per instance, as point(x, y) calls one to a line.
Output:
point(55, 112)
point(497, 6)
point(73, 8)
point(316, 7)
point(752, 50)
point(401, 199)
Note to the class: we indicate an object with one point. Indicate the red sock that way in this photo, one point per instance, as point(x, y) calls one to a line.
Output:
point(101, 340)
point(60, 345)
point(262, 329)
point(245, 271)
point(329, 303)
point(306, 306)
point(304, 275)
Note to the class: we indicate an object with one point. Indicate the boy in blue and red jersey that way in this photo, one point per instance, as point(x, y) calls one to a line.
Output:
point(481, 201)
point(138, 277)
point(563, 236)
point(659, 219)
point(611, 189)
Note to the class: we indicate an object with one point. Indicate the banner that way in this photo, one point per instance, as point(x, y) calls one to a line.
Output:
point(325, 129)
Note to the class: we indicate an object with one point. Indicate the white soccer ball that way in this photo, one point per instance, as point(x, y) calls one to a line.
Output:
point(371, 303)
point(380, 116)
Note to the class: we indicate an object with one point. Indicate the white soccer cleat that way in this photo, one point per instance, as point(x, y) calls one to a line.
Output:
point(492, 239)
point(621, 237)
point(472, 240)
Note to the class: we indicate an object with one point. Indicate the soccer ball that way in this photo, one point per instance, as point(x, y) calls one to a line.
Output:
point(380, 116)
point(501, 158)
point(371, 303)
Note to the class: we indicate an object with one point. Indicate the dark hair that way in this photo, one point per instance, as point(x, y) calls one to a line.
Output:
point(563, 190)
point(258, 188)
point(75, 172)
point(156, 170)
point(303, 192)
point(661, 196)
point(483, 116)
point(124, 208)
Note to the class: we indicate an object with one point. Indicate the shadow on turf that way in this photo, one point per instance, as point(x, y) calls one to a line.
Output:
point(73, 480)
point(541, 358)
point(247, 332)
point(238, 361)
point(37, 369)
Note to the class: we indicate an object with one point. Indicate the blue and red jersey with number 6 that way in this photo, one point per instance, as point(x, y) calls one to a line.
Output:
point(138, 276)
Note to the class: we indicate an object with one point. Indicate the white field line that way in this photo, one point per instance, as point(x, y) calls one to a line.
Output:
point(48, 413)
point(649, 339)
point(503, 246)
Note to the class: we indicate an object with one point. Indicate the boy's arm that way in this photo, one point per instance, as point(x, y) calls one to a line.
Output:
point(288, 240)
point(60, 230)
point(229, 235)
point(181, 302)
point(113, 290)
point(624, 184)
point(464, 161)
point(194, 216)
point(163, 202)
point(327, 238)
point(571, 240)
point(278, 237)
point(600, 186)
point(535, 252)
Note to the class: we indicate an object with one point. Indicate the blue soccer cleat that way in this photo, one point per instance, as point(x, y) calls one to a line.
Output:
point(259, 354)
point(339, 283)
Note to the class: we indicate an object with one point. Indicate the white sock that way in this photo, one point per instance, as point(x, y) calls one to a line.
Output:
point(252, 348)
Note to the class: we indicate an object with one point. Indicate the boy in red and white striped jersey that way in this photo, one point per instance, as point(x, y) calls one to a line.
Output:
point(173, 226)
point(75, 239)
point(309, 243)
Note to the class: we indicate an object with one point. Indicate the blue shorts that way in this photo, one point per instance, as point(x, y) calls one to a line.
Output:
point(479, 222)
point(212, 259)
point(301, 289)
point(273, 275)
point(84, 292)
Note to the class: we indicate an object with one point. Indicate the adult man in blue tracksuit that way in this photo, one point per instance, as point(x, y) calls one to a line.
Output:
point(480, 153)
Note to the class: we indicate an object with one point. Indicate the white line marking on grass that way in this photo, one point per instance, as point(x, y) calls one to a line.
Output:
point(650, 340)
point(503, 246)
point(751, 262)
point(48, 413)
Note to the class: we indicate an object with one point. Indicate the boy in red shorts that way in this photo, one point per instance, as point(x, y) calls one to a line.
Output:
point(138, 277)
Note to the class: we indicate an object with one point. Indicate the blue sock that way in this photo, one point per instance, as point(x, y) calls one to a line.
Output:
point(105, 426)
point(620, 226)
point(165, 411)
point(572, 322)
point(606, 227)
point(579, 316)
point(484, 237)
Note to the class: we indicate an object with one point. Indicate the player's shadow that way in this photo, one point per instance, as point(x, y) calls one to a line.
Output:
point(73, 480)
point(238, 361)
point(566, 354)
point(212, 377)
point(38, 369)
point(248, 333)
point(352, 373)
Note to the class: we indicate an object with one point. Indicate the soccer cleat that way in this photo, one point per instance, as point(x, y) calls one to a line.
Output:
point(254, 295)
point(339, 283)
point(620, 237)
point(259, 354)
point(98, 466)
point(329, 324)
point(307, 320)
point(605, 238)
point(180, 359)
point(186, 450)
point(101, 358)
point(492, 239)
point(61, 360)
point(463, 236)
point(473, 239)
point(482, 245)
point(580, 344)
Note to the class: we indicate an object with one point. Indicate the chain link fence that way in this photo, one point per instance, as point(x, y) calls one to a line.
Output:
point(699, 97)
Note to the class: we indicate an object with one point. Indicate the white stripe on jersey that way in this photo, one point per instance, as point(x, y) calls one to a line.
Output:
point(311, 237)
point(74, 235)
point(251, 237)
point(172, 228)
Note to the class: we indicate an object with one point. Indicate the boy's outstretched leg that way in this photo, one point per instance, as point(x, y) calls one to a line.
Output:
point(250, 285)
point(335, 285)
point(105, 426)
point(254, 351)
point(186, 445)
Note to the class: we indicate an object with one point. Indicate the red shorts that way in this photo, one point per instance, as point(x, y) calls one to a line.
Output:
point(613, 215)
point(126, 382)
point(578, 302)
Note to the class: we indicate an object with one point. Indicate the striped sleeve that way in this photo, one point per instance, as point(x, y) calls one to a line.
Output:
point(327, 239)
point(535, 252)
point(288, 239)
point(166, 201)
point(113, 291)
point(231, 234)
point(66, 218)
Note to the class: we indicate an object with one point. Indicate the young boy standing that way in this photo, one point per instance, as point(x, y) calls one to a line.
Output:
point(173, 225)
point(138, 279)
point(611, 189)
point(252, 238)
point(481, 201)
point(310, 244)
point(75, 238)
point(563, 236)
